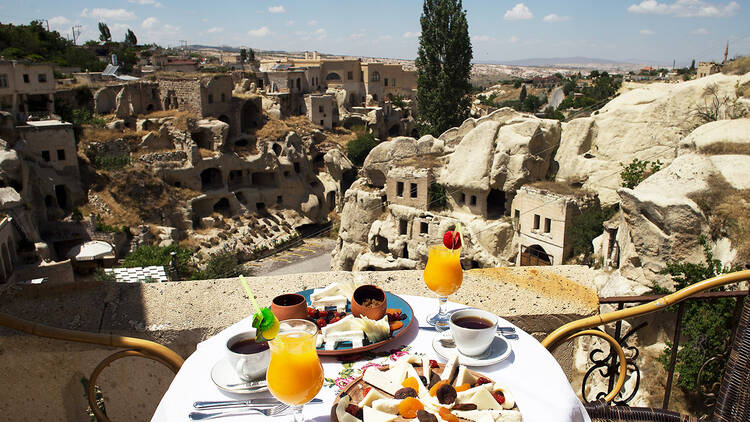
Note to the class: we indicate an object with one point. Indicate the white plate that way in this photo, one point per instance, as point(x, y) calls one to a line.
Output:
point(499, 350)
point(227, 379)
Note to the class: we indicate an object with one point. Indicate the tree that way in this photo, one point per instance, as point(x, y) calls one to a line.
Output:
point(692, 65)
point(243, 55)
point(104, 34)
point(522, 97)
point(251, 55)
point(443, 66)
point(130, 38)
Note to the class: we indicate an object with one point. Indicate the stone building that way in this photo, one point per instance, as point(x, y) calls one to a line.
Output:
point(409, 186)
point(543, 214)
point(26, 88)
point(202, 96)
point(128, 99)
point(322, 110)
point(708, 68)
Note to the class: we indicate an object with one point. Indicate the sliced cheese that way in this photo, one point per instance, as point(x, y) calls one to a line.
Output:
point(376, 330)
point(333, 339)
point(464, 376)
point(464, 396)
point(509, 400)
point(450, 368)
point(477, 415)
point(397, 374)
point(330, 290)
point(347, 323)
point(386, 405)
point(318, 340)
point(426, 370)
point(381, 380)
point(372, 415)
point(412, 359)
point(371, 396)
point(484, 400)
point(338, 301)
point(341, 414)
point(347, 287)
point(411, 372)
point(510, 416)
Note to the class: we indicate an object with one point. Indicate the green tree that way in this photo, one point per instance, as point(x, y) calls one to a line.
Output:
point(243, 55)
point(692, 65)
point(250, 55)
point(522, 96)
point(130, 38)
point(443, 66)
point(357, 149)
point(637, 171)
point(104, 34)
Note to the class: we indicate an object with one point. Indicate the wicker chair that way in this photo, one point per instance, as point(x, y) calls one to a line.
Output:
point(134, 347)
point(733, 399)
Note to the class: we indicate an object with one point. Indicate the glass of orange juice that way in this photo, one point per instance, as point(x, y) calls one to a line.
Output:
point(295, 374)
point(443, 275)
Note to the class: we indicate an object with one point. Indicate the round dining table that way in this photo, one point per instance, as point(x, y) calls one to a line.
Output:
point(538, 383)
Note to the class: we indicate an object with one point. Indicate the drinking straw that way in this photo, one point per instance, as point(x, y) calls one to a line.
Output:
point(250, 294)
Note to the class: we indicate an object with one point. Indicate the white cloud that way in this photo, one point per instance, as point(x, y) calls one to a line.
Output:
point(552, 17)
point(412, 34)
point(482, 38)
point(60, 23)
point(108, 14)
point(150, 23)
point(646, 32)
point(513, 39)
point(214, 30)
point(700, 31)
point(277, 9)
point(260, 32)
point(320, 33)
point(146, 2)
point(357, 35)
point(518, 12)
point(312, 22)
point(686, 8)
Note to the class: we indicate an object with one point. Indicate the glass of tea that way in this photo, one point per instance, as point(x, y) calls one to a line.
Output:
point(295, 374)
point(248, 357)
point(473, 330)
point(443, 275)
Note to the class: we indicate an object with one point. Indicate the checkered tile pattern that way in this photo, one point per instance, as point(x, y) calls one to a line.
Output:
point(138, 274)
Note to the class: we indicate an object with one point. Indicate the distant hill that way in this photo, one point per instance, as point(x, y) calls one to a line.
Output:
point(562, 61)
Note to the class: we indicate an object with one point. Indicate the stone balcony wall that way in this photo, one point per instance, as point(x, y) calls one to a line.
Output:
point(42, 377)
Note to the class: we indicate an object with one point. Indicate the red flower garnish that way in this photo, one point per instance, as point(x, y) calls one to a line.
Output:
point(452, 239)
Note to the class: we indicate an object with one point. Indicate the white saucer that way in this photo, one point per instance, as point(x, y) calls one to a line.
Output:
point(498, 351)
point(227, 379)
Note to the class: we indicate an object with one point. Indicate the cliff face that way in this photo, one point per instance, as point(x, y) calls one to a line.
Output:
point(645, 123)
point(389, 219)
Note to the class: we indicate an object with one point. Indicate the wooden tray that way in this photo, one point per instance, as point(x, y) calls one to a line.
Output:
point(393, 301)
point(356, 388)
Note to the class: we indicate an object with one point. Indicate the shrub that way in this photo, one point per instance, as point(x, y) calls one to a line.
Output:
point(716, 107)
point(551, 113)
point(223, 265)
point(637, 171)
point(398, 101)
point(101, 275)
point(586, 226)
point(438, 196)
point(148, 255)
point(706, 325)
point(76, 215)
point(357, 149)
point(110, 162)
point(488, 100)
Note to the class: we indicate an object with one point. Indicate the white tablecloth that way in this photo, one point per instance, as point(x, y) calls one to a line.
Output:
point(541, 389)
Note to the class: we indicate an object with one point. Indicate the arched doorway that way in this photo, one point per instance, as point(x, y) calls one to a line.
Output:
point(222, 207)
point(333, 76)
point(395, 130)
point(250, 116)
point(535, 255)
point(211, 179)
point(61, 192)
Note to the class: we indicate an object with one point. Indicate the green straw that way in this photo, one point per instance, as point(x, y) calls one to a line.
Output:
point(250, 294)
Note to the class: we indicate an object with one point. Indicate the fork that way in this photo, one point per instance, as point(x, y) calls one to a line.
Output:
point(273, 411)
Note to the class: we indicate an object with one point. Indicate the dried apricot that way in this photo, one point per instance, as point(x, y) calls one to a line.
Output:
point(447, 415)
point(433, 390)
point(395, 325)
point(463, 387)
point(409, 406)
point(411, 382)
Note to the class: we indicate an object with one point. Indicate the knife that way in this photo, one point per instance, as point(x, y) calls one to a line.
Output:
point(261, 402)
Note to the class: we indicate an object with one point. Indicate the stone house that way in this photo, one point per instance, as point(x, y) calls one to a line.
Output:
point(409, 186)
point(322, 110)
point(543, 214)
point(207, 96)
point(708, 68)
point(26, 88)
point(128, 99)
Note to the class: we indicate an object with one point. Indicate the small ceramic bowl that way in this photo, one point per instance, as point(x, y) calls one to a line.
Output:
point(289, 306)
point(361, 294)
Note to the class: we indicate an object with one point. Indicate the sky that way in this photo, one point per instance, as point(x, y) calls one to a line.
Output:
point(656, 31)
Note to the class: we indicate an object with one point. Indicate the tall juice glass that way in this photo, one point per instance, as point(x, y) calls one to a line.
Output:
point(443, 275)
point(295, 374)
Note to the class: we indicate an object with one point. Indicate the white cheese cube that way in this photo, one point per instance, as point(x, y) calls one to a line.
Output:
point(464, 376)
point(484, 400)
point(450, 368)
point(379, 379)
point(464, 396)
point(371, 396)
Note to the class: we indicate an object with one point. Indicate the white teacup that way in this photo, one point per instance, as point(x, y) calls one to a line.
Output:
point(473, 341)
point(248, 364)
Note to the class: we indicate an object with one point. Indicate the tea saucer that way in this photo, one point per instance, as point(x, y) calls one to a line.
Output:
point(498, 351)
point(227, 379)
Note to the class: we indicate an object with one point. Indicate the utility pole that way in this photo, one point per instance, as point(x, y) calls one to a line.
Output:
point(75, 36)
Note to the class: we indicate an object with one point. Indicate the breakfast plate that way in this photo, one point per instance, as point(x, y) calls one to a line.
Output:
point(393, 301)
point(382, 394)
point(227, 379)
point(498, 351)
